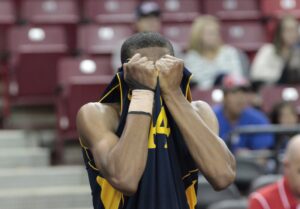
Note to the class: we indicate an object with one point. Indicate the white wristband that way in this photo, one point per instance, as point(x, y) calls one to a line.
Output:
point(141, 101)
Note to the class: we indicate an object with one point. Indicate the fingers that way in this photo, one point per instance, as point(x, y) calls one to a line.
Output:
point(142, 60)
point(161, 65)
point(135, 57)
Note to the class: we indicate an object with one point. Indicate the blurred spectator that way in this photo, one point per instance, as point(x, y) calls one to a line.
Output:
point(208, 57)
point(235, 112)
point(147, 19)
point(291, 71)
point(271, 59)
point(286, 192)
point(283, 113)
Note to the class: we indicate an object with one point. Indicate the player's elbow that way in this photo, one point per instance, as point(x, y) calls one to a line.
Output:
point(223, 183)
point(125, 186)
point(224, 177)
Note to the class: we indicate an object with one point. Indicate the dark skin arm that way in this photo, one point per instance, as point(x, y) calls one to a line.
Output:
point(120, 160)
point(198, 125)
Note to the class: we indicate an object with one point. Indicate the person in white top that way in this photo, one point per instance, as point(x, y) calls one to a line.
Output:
point(270, 60)
point(207, 56)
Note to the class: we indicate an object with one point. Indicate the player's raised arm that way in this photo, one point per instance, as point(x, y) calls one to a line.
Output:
point(122, 160)
point(198, 125)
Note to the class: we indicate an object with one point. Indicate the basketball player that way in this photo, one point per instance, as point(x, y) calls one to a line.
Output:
point(145, 142)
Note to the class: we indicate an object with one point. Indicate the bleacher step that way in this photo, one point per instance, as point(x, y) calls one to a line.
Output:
point(42, 177)
point(24, 157)
point(17, 138)
point(46, 197)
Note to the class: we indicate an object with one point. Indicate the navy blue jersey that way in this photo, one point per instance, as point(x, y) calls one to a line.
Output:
point(170, 177)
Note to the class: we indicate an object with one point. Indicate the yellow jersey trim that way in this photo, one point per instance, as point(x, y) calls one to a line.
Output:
point(110, 197)
point(121, 94)
point(108, 93)
point(87, 155)
point(188, 93)
point(190, 172)
point(191, 195)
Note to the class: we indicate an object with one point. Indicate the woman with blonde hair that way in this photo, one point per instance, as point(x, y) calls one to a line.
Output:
point(208, 58)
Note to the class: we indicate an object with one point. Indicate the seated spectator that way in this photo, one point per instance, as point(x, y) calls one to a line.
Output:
point(208, 57)
point(270, 60)
point(283, 113)
point(147, 19)
point(235, 112)
point(291, 71)
point(286, 192)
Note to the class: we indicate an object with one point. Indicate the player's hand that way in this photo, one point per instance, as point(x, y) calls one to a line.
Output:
point(140, 73)
point(170, 70)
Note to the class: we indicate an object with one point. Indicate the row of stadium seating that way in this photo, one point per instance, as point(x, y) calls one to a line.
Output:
point(68, 11)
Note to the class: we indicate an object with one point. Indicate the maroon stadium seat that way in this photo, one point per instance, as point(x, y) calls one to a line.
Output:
point(34, 55)
point(179, 10)
point(7, 12)
point(211, 96)
point(248, 36)
point(108, 12)
point(7, 18)
point(82, 80)
point(177, 33)
point(274, 94)
point(86, 67)
point(87, 72)
point(54, 11)
point(280, 7)
point(95, 39)
point(233, 9)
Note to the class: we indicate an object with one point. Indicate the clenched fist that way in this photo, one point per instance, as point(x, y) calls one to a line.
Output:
point(140, 73)
point(170, 70)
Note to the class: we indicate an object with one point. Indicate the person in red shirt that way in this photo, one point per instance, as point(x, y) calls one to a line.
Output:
point(284, 194)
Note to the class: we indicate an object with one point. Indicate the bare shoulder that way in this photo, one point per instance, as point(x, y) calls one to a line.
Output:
point(96, 109)
point(94, 118)
point(207, 114)
point(202, 107)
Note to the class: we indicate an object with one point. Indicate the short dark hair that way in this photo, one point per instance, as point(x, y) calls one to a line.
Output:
point(144, 40)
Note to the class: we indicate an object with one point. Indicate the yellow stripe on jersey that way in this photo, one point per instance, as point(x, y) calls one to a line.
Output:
point(87, 155)
point(121, 93)
point(191, 195)
point(188, 93)
point(110, 197)
point(108, 93)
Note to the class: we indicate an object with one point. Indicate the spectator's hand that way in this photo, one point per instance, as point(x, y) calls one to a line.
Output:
point(170, 71)
point(140, 73)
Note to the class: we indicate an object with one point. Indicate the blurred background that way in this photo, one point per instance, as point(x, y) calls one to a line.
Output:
point(56, 55)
